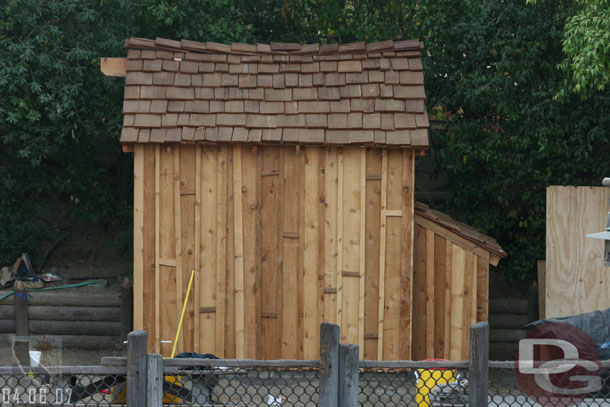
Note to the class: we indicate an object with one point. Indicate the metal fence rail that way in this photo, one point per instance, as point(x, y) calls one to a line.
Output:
point(337, 379)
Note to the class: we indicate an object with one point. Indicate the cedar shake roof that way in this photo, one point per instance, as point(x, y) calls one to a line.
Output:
point(467, 232)
point(353, 94)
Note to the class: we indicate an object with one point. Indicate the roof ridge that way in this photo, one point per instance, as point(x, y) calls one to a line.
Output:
point(273, 48)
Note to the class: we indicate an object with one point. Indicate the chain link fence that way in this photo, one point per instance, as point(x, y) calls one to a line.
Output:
point(206, 382)
point(62, 386)
point(410, 383)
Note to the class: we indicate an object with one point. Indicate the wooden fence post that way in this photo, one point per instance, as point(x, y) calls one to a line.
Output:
point(479, 364)
point(21, 310)
point(136, 369)
point(154, 380)
point(126, 308)
point(348, 375)
point(329, 365)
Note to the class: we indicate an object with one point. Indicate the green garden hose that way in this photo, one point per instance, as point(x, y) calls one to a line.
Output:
point(8, 294)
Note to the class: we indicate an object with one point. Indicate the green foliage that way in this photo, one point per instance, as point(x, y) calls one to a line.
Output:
point(494, 72)
point(586, 44)
point(491, 71)
point(17, 237)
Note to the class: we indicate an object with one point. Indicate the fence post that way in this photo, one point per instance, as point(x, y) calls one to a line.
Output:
point(348, 375)
point(329, 365)
point(154, 380)
point(479, 363)
point(21, 310)
point(136, 369)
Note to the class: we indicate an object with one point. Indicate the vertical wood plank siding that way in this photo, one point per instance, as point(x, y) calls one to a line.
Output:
point(284, 238)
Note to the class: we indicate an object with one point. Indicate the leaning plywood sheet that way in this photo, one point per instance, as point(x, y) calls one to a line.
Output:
point(576, 279)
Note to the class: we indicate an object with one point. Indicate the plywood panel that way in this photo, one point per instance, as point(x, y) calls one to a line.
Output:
point(576, 280)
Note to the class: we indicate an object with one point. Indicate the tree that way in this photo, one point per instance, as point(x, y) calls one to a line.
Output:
point(586, 44)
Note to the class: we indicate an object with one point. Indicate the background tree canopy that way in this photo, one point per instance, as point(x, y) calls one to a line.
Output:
point(492, 71)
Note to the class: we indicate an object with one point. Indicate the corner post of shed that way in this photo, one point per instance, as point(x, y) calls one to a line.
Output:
point(479, 363)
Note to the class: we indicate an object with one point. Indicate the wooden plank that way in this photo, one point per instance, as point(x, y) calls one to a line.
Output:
point(258, 248)
point(372, 241)
point(420, 306)
point(452, 237)
point(448, 279)
point(382, 251)
point(149, 297)
point(157, 331)
point(541, 288)
point(458, 264)
point(340, 168)
point(329, 365)
point(468, 299)
point(208, 240)
point(392, 316)
point(168, 287)
point(222, 177)
point(154, 380)
point(238, 233)
point(348, 377)
point(270, 335)
point(290, 252)
point(22, 325)
point(280, 242)
point(186, 260)
point(73, 313)
point(351, 245)
point(178, 240)
point(230, 263)
point(439, 296)
point(362, 250)
point(197, 279)
point(406, 252)
point(250, 207)
point(482, 289)
point(301, 263)
point(138, 236)
point(311, 200)
point(430, 297)
point(330, 234)
point(113, 66)
point(479, 365)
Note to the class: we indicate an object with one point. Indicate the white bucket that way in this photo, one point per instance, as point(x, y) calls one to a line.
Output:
point(35, 358)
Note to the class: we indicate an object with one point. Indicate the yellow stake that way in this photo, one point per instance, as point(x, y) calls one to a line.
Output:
point(186, 300)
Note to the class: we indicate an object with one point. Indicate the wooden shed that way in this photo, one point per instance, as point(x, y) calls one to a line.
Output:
point(283, 175)
point(450, 283)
